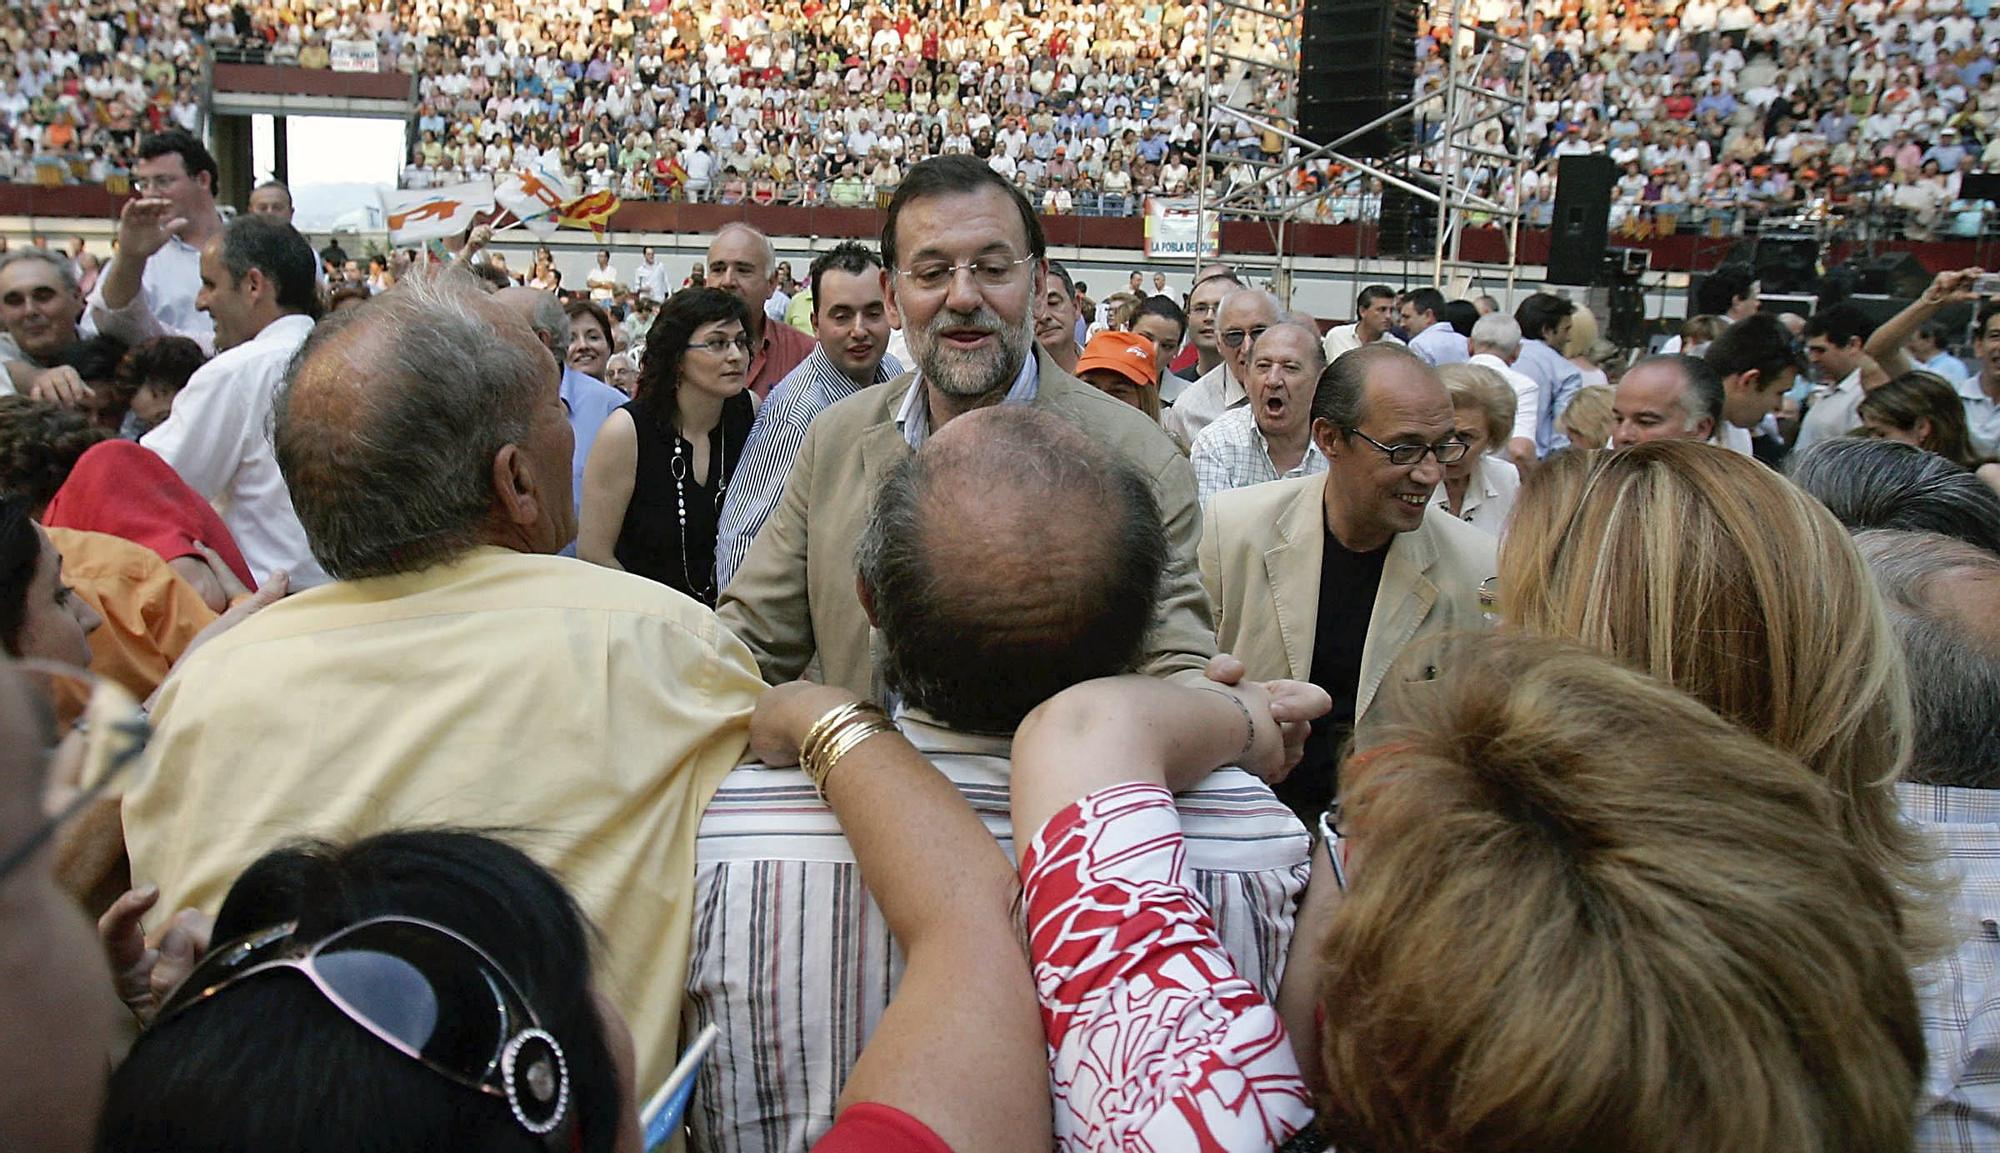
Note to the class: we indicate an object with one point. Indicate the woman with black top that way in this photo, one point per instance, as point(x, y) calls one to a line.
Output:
point(654, 485)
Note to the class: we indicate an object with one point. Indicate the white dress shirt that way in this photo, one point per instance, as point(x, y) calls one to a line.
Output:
point(1346, 338)
point(165, 303)
point(1982, 416)
point(218, 439)
point(1527, 393)
point(1832, 413)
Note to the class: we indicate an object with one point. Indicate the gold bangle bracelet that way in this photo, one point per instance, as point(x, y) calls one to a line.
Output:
point(843, 739)
point(816, 735)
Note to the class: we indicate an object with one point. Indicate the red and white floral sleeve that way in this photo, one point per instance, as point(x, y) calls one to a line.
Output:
point(1155, 1042)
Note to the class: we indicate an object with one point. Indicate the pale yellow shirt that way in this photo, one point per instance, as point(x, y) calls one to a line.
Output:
point(589, 713)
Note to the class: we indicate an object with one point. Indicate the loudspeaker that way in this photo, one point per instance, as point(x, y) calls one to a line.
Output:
point(1582, 219)
point(1357, 63)
point(1787, 263)
point(1890, 274)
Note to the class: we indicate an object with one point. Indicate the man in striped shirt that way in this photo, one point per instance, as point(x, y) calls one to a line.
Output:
point(851, 318)
point(1008, 559)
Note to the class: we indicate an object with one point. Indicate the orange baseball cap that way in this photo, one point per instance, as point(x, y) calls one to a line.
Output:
point(1125, 352)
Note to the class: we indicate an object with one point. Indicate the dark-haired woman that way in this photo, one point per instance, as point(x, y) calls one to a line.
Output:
point(304, 1027)
point(654, 485)
point(40, 617)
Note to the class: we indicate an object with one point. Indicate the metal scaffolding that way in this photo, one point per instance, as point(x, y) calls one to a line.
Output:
point(1439, 172)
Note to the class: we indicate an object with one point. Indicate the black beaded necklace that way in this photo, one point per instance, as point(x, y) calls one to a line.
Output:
point(679, 467)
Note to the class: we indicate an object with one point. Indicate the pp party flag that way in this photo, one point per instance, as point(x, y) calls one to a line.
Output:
point(533, 193)
point(423, 214)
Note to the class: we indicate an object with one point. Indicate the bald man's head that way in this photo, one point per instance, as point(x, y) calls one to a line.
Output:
point(391, 417)
point(542, 313)
point(1008, 559)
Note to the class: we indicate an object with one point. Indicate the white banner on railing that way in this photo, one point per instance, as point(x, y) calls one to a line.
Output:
point(355, 56)
point(1178, 227)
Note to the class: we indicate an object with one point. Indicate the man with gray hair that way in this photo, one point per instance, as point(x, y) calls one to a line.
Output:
point(1669, 396)
point(456, 672)
point(742, 263)
point(1241, 318)
point(1496, 344)
point(589, 401)
point(42, 310)
point(1943, 599)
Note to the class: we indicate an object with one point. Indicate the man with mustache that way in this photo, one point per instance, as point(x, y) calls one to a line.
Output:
point(965, 261)
point(850, 315)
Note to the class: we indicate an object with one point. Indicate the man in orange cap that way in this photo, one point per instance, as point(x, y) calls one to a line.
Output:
point(1124, 365)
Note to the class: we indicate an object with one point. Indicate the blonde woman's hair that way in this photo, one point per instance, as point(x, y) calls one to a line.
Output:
point(1559, 938)
point(1588, 421)
point(1486, 392)
point(1716, 575)
point(1583, 333)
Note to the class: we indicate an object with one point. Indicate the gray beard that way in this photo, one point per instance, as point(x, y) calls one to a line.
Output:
point(971, 374)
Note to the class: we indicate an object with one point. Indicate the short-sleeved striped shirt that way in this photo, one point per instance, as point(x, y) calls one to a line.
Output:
point(793, 961)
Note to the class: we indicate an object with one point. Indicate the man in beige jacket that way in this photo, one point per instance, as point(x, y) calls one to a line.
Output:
point(1329, 578)
point(964, 263)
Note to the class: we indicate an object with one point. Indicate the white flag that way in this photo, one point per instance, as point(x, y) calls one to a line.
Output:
point(426, 214)
point(532, 193)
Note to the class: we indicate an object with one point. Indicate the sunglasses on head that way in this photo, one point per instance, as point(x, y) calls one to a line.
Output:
point(421, 989)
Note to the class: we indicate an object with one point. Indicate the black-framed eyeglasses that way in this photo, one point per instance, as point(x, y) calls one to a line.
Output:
point(1406, 455)
point(1234, 337)
point(421, 989)
point(721, 345)
point(113, 728)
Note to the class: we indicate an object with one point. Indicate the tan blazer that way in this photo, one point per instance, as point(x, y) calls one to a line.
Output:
point(795, 594)
point(1261, 548)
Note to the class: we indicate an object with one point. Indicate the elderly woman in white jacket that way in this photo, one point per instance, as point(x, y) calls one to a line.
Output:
point(1479, 487)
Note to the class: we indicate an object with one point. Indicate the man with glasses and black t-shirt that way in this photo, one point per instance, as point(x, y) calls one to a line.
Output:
point(1329, 578)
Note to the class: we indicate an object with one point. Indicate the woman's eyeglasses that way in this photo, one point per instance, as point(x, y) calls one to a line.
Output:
point(421, 989)
point(720, 346)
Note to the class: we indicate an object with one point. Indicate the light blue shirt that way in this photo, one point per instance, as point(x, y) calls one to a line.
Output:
point(1560, 381)
point(1947, 366)
point(915, 417)
point(589, 401)
point(1440, 344)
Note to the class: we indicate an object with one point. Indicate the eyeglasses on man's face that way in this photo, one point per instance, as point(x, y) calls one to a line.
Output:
point(1234, 337)
point(987, 272)
point(1449, 451)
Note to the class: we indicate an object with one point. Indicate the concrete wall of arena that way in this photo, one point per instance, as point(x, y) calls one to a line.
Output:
point(1329, 262)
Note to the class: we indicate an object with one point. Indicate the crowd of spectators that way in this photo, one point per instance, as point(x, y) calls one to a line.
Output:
point(1717, 115)
point(502, 737)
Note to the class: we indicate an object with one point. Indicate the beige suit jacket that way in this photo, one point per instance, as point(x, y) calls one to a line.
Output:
point(1261, 548)
point(795, 594)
